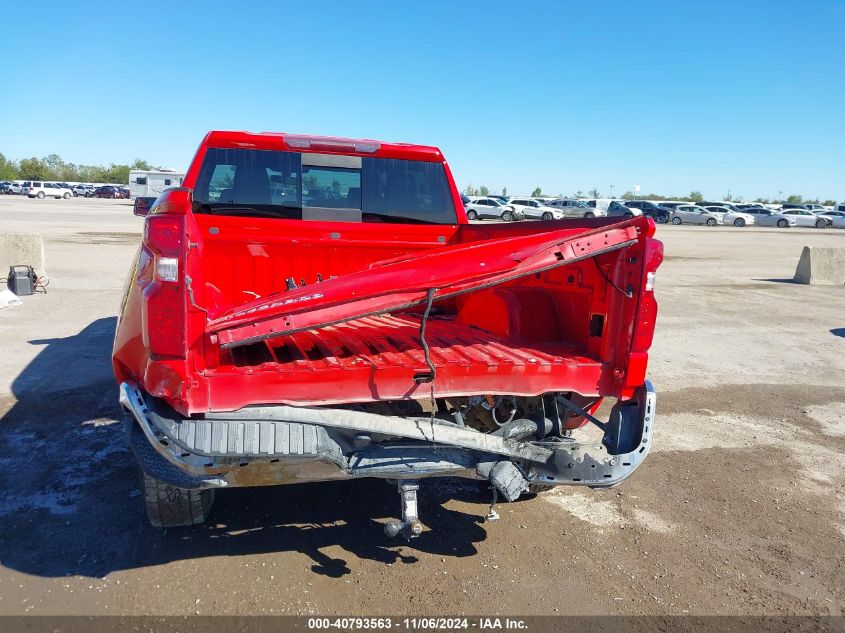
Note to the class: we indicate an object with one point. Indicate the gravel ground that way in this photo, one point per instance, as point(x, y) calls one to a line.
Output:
point(739, 509)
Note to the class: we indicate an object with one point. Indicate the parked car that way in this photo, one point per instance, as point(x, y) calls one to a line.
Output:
point(40, 189)
point(693, 214)
point(15, 188)
point(534, 209)
point(122, 192)
point(4, 186)
point(806, 218)
point(236, 377)
point(650, 209)
point(729, 216)
point(488, 207)
point(83, 190)
point(767, 217)
point(107, 191)
point(613, 208)
point(837, 218)
point(572, 208)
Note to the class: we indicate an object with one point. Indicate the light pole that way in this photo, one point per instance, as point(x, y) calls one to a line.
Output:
point(780, 196)
point(611, 191)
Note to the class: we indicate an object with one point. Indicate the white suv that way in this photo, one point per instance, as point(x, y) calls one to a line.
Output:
point(39, 189)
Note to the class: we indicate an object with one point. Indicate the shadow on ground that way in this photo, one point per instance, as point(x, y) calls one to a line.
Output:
point(70, 501)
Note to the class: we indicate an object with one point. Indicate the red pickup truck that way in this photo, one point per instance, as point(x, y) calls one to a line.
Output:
point(311, 308)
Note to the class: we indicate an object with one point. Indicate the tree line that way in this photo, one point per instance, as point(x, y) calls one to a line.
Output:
point(53, 168)
point(693, 196)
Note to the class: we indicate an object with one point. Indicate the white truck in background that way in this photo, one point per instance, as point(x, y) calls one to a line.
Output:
point(151, 183)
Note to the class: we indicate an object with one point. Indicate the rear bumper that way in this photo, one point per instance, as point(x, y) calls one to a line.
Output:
point(280, 445)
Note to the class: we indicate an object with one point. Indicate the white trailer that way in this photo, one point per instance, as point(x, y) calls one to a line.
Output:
point(150, 183)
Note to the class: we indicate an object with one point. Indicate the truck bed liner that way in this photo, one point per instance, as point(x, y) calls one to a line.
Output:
point(376, 358)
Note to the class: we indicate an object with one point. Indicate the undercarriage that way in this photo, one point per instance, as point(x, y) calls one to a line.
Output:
point(512, 442)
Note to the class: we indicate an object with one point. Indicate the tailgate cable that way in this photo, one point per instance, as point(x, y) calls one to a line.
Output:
point(629, 293)
point(432, 370)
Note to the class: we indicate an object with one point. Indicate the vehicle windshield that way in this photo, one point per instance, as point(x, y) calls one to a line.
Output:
point(326, 187)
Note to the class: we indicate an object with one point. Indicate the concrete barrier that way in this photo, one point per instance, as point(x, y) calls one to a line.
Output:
point(821, 266)
point(22, 249)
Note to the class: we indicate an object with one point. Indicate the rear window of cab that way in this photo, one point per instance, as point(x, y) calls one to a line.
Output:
point(324, 187)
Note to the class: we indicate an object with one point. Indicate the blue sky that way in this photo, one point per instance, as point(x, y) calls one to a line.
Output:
point(742, 96)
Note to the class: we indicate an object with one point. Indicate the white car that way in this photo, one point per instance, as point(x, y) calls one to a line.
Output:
point(40, 189)
point(836, 218)
point(572, 208)
point(15, 187)
point(806, 218)
point(692, 214)
point(491, 208)
point(767, 217)
point(535, 209)
point(86, 191)
point(737, 218)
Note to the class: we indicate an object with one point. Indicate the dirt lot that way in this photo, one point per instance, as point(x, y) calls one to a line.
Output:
point(739, 509)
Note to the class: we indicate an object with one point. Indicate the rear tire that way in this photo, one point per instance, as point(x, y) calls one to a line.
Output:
point(821, 224)
point(507, 216)
point(547, 216)
point(66, 196)
point(662, 218)
point(783, 224)
point(40, 195)
point(676, 221)
point(739, 222)
point(711, 222)
point(168, 506)
point(472, 215)
point(589, 214)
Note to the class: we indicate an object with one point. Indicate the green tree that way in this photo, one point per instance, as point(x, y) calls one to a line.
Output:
point(628, 195)
point(829, 203)
point(484, 191)
point(33, 169)
point(762, 200)
point(140, 163)
point(504, 191)
point(695, 196)
point(795, 199)
point(538, 191)
point(8, 169)
point(579, 194)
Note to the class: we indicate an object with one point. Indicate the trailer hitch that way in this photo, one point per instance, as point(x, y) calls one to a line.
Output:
point(410, 526)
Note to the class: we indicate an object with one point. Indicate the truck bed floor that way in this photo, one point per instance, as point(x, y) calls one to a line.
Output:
point(376, 358)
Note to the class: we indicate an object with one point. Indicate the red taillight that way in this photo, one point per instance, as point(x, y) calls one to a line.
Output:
point(647, 314)
point(164, 294)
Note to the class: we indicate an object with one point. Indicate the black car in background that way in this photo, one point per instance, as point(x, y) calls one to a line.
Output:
point(660, 214)
point(106, 192)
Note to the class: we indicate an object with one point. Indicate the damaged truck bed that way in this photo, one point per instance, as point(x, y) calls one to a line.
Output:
point(324, 310)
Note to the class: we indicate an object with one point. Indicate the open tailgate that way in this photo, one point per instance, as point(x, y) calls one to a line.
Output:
point(404, 282)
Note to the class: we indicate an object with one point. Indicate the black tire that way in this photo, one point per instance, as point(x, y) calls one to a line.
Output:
point(711, 222)
point(821, 224)
point(66, 196)
point(589, 214)
point(677, 221)
point(739, 222)
point(548, 216)
point(628, 216)
point(40, 195)
point(168, 506)
point(783, 224)
point(472, 215)
point(507, 216)
point(661, 218)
